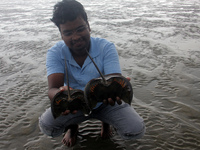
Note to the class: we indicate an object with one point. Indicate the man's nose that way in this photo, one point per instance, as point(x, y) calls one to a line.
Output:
point(75, 36)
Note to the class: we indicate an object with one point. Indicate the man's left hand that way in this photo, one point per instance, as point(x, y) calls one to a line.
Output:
point(117, 99)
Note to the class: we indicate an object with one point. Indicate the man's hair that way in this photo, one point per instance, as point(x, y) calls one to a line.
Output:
point(68, 10)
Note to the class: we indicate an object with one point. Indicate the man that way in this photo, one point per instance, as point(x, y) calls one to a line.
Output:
point(71, 19)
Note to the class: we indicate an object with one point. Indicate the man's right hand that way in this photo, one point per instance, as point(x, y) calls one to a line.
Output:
point(66, 112)
point(64, 88)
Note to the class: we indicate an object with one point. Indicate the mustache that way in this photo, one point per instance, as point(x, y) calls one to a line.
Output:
point(76, 41)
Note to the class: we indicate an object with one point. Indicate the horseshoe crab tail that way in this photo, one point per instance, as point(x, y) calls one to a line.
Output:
point(67, 78)
point(104, 80)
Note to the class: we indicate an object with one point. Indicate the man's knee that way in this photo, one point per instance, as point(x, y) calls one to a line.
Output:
point(50, 131)
point(133, 132)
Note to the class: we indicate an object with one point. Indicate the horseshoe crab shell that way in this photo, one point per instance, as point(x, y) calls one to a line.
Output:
point(60, 102)
point(97, 90)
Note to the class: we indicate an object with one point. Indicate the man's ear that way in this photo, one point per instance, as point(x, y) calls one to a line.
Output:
point(89, 26)
point(60, 33)
point(61, 36)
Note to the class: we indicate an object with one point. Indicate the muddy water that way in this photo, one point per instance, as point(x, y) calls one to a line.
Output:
point(158, 42)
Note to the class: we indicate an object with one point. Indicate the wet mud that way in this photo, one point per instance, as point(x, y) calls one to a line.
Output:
point(158, 42)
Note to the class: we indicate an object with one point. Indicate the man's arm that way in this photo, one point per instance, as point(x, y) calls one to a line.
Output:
point(55, 81)
point(56, 84)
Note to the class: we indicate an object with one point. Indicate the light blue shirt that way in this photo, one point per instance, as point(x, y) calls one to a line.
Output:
point(103, 53)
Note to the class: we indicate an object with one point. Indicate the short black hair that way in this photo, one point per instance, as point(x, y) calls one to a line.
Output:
point(68, 10)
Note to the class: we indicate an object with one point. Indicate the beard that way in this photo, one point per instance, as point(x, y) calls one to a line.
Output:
point(79, 47)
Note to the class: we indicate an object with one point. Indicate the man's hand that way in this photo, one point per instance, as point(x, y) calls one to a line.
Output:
point(117, 99)
point(111, 102)
point(66, 112)
point(64, 88)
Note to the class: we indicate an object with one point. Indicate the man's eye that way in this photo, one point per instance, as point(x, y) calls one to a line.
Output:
point(67, 33)
point(80, 29)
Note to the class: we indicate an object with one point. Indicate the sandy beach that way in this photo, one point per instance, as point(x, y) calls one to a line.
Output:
point(158, 42)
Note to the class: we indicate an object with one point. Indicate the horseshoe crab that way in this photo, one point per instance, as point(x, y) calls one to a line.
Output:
point(68, 100)
point(111, 86)
point(73, 101)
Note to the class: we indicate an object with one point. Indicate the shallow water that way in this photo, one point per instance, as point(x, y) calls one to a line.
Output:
point(158, 42)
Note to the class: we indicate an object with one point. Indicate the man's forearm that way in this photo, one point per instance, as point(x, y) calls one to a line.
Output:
point(52, 92)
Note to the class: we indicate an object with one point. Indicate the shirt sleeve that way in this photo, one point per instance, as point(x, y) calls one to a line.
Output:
point(54, 63)
point(111, 59)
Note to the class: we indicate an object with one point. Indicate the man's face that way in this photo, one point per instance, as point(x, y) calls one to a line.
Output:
point(76, 35)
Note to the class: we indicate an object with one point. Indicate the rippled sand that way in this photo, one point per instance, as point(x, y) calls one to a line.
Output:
point(158, 42)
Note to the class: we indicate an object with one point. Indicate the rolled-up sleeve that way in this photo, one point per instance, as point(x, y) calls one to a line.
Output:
point(111, 60)
point(54, 63)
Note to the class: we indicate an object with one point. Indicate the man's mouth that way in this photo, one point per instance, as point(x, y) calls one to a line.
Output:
point(78, 43)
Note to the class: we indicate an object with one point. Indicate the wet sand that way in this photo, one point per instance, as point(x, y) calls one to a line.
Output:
point(158, 42)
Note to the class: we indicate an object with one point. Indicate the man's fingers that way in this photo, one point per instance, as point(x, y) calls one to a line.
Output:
point(64, 88)
point(74, 112)
point(119, 101)
point(105, 101)
point(61, 88)
point(129, 79)
point(66, 112)
point(111, 102)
